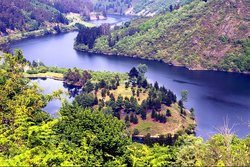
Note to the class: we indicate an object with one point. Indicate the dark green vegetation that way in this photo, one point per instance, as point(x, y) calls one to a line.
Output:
point(89, 35)
point(200, 35)
point(87, 137)
point(30, 15)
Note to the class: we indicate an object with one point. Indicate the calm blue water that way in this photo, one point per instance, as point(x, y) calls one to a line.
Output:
point(214, 95)
point(113, 20)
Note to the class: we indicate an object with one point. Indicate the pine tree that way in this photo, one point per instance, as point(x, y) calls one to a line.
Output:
point(156, 85)
point(133, 73)
point(137, 93)
point(126, 118)
point(168, 113)
point(135, 120)
point(131, 118)
point(144, 115)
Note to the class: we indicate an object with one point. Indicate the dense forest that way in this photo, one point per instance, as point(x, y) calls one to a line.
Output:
point(91, 137)
point(200, 35)
point(29, 15)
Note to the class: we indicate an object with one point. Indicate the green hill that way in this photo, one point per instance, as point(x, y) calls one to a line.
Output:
point(30, 15)
point(201, 35)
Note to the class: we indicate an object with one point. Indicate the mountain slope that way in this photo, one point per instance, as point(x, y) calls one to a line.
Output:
point(153, 7)
point(135, 7)
point(76, 6)
point(29, 15)
point(212, 35)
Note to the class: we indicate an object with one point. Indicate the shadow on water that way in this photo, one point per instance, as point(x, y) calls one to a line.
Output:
point(226, 102)
point(184, 82)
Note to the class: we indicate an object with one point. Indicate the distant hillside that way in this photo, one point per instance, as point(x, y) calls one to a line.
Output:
point(201, 35)
point(136, 7)
point(153, 7)
point(83, 7)
point(29, 15)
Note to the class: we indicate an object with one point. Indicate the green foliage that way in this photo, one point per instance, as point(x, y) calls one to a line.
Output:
point(184, 95)
point(85, 100)
point(238, 62)
point(102, 131)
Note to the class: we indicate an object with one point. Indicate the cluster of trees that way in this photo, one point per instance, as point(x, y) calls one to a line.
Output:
point(88, 35)
point(114, 38)
point(157, 96)
point(238, 62)
point(87, 137)
point(174, 7)
point(74, 77)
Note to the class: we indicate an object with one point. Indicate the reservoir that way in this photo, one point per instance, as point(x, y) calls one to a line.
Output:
point(215, 96)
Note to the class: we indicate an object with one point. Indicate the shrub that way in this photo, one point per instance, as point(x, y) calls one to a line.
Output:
point(136, 132)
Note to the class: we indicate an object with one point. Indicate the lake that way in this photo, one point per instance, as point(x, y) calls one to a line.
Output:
point(215, 96)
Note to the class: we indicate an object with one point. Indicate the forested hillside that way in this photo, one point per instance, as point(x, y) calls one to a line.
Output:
point(136, 7)
point(83, 7)
point(29, 15)
point(211, 34)
point(153, 7)
point(86, 137)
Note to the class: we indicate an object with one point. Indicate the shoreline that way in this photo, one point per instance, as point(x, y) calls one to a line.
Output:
point(34, 34)
point(77, 48)
point(74, 20)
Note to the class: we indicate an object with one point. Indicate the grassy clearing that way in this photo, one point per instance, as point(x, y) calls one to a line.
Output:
point(76, 18)
point(124, 92)
point(175, 123)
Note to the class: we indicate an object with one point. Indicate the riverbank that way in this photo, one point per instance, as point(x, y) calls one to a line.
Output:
point(84, 48)
point(73, 18)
